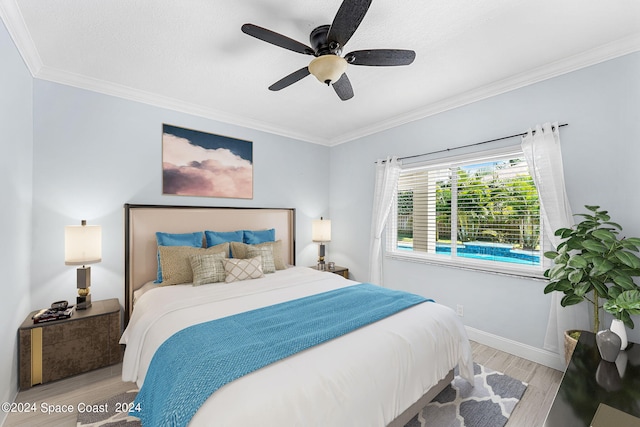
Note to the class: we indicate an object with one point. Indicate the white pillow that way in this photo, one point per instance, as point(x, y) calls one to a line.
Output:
point(242, 269)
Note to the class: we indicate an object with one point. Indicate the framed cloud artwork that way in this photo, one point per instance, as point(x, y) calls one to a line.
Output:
point(203, 164)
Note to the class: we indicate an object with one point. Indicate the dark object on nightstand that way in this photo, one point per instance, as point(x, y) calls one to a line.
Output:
point(58, 349)
point(589, 382)
point(52, 314)
point(342, 271)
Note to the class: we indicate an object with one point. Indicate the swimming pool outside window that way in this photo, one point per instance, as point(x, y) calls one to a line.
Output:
point(479, 212)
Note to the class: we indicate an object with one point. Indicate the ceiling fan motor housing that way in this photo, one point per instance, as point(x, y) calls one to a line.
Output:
point(320, 43)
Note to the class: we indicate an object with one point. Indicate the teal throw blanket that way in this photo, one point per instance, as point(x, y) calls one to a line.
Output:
point(196, 361)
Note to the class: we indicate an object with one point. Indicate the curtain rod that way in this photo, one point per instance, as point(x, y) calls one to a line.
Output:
point(472, 145)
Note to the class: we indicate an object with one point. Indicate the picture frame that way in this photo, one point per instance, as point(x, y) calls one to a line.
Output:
point(196, 163)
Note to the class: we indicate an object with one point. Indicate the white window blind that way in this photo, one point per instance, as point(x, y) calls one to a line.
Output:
point(478, 212)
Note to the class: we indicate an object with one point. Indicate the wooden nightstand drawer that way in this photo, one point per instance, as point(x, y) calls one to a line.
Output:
point(54, 350)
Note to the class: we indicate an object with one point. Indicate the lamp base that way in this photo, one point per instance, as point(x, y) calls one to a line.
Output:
point(321, 253)
point(83, 302)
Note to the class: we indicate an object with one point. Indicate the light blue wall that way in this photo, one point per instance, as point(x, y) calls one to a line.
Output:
point(601, 151)
point(93, 153)
point(16, 146)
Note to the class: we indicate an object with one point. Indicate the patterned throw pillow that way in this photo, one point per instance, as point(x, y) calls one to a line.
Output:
point(242, 269)
point(176, 265)
point(176, 239)
point(266, 253)
point(239, 250)
point(207, 268)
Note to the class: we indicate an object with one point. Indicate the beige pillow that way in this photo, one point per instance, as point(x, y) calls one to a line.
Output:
point(266, 253)
point(239, 250)
point(242, 269)
point(176, 264)
point(207, 268)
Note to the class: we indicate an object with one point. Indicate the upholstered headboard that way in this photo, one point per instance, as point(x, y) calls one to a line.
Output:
point(143, 221)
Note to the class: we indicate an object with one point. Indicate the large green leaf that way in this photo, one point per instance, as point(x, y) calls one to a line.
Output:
point(574, 243)
point(601, 265)
point(594, 246)
point(629, 259)
point(629, 245)
point(632, 240)
point(561, 259)
point(576, 276)
point(614, 291)
point(564, 285)
point(558, 272)
point(577, 261)
point(615, 224)
point(628, 301)
point(563, 232)
point(550, 254)
point(600, 287)
point(582, 288)
point(624, 281)
point(571, 299)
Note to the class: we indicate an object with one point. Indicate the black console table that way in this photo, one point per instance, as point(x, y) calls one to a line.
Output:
point(590, 381)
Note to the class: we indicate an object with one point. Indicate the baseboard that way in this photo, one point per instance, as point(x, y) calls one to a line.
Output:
point(543, 357)
point(5, 414)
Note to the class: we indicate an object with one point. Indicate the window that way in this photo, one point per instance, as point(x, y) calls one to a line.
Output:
point(478, 212)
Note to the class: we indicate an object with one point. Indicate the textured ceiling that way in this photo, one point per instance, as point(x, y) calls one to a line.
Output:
point(191, 55)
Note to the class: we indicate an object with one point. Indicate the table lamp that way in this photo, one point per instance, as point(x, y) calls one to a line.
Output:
point(83, 245)
point(321, 232)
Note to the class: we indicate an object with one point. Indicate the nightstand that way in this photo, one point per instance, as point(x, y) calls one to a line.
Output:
point(342, 271)
point(54, 350)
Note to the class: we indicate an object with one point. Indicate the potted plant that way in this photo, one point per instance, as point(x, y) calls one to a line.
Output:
point(593, 264)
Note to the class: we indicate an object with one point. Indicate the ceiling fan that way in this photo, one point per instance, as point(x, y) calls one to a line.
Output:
point(329, 66)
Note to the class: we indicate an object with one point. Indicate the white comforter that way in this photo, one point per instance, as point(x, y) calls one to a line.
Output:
point(365, 378)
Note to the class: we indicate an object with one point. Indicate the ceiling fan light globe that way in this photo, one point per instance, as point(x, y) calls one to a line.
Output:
point(328, 68)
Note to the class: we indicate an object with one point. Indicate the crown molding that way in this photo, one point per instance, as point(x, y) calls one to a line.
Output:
point(120, 91)
point(17, 28)
point(576, 62)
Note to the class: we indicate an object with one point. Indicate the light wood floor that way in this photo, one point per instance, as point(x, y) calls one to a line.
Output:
point(543, 383)
point(101, 384)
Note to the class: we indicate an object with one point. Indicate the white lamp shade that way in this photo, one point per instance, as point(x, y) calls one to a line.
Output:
point(328, 68)
point(82, 244)
point(321, 230)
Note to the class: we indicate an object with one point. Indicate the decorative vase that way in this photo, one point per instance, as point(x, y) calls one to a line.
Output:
point(618, 327)
point(608, 345)
point(569, 344)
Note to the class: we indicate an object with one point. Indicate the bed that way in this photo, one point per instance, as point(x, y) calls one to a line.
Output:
point(382, 373)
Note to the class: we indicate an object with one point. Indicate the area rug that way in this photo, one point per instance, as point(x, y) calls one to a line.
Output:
point(488, 403)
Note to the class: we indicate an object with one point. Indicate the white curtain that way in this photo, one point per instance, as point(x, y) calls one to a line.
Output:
point(542, 151)
point(387, 174)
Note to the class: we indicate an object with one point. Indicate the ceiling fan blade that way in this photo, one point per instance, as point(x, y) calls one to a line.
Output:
point(290, 79)
point(380, 57)
point(347, 20)
point(276, 39)
point(343, 88)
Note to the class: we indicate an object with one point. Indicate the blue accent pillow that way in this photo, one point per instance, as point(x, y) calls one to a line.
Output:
point(255, 237)
point(217, 237)
point(176, 239)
